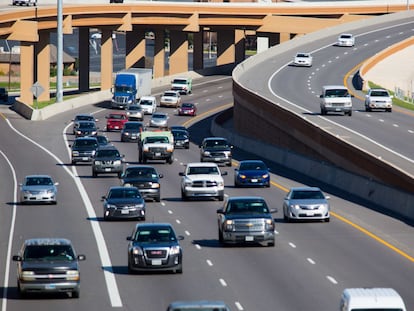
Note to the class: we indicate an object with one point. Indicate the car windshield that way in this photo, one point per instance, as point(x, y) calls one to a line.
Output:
point(155, 235)
point(179, 81)
point(87, 125)
point(180, 134)
point(307, 194)
point(134, 108)
point(102, 140)
point(39, 181)
point(116, 116)
point(107, 153)
point(124, 194)
point(302, 55)
point(252, 166)
point(346, 36)
point(211, 170)
point(123, 89)
point(337, 93)
point(49, 253)
point(185, 105)
point(131, 126)
point(86, 142)
point(141, 172)
point(155, 140)
point(173, 94)
point(247, 206)
point(216, 144)
point(379, 93)
point(159, 116)
point(84, 118)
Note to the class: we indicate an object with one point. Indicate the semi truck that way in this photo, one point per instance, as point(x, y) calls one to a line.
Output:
point(130, 85)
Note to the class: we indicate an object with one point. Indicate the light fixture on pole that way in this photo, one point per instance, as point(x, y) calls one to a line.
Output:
point(59, 74)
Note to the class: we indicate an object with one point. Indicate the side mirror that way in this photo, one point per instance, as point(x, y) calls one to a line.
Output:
point(56, 184)
point(160, 175)
point(129, 238)
point(181, 174)
point(321, 96)
point(223, 173)
point(220, 211)
point(81, 257)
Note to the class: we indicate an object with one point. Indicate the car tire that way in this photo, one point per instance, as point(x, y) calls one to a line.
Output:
point(350, 113)
point(389, 109)
point(75, 294)
point(268, 185)
point(323, 112)
point(170, 160)
point(187, 147)
point(183, 196)
point(271, 244)
point(119, 174)
point(94, 174)
point(220, 236)
point(158, 198)
point(327, 219)
point(367, 109)
point(221, 196)
point(144, 159)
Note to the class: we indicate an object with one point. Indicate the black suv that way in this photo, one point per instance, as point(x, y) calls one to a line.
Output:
point(48, 265)
point(83, 149)
point(107, 160)
point(216, 149)
point(131, 131)
point(145, 178)
point(4, 95)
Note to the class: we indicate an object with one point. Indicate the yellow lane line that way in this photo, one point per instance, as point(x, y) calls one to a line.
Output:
point(354, 69)
point(3, 116)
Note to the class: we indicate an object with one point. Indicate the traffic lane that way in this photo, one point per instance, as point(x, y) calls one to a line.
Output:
point(65, 219)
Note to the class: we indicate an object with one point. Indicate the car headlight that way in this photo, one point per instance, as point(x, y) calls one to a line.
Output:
point(170, 149)
point(78, 132)
point(206, 153)
point(174, 250)
point(295, 206)
point(50, 191)
point(28, 275)
point(126, 133)
point(155, 185)
point(110, 206)
point(228, 225)
point(220, 183)
point(117, 162)
point(270, 225)
point(94, 132)
point(139, 206)
point(72, 275)
point(26, 192)
point(93, 152)
point(75, 153)
point(265, 175)
point(242, 176)
point(146, 149)
point(130, 101)
point(97, 162)
point(188, 182)
point(137, 251)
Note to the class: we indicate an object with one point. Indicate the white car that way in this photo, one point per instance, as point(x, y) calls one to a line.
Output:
point(148, 104)
point(378, 99)
point(346, 39)
point(202, 180)
point(303, 59)
point(170, 99)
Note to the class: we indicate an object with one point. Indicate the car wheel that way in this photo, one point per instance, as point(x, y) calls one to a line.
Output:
point(367, 109)
point(323, 112)
point(183, 196)
point(271, 244)
point(327, 219)
point(179, 270)
point(158, 198)
point(187, 146)
point(75, 294)
point(220, 235)
point(21, 293)
point(268, 185)
point(94, 174)
point(221, 196)
point(144, 159)
point(119, 174)
point(170, 160)
point(389, 109)
point(73, 162)
point(350, 113)
point(236, 185)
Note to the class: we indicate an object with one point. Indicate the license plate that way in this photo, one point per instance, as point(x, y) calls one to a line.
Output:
point(249, 238)
point(216, 159)
point(337, 109)
point(85, 159)
point(107, 169)
point(117, 127)
point(254, 180)
point(50, 286)
point(158, 154)
point(125, 211)
point(156, 262)
point(310, 213)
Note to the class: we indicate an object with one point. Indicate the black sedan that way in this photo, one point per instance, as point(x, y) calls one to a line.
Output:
point(131, 131)
point(154, 247)
point(86, 128)
point(251, 173)
point(145, 178)
point(181, 139)
point(123, 202)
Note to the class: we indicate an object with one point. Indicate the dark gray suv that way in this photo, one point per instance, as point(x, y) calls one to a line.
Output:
point(216, 149)
point(107, 160)
point(48, 265)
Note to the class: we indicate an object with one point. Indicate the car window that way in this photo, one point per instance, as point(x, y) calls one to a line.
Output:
point(153, 140)
point(379, 93)
point(39, 181)
point(252, 166)
point(146, 173)
point(216, 144)
point(48, 252)
point(247, 207)
point(155, 235)
point(305, 194)
point(123, 193)
point(86, 143)
point(107, 153)
point(336, 93)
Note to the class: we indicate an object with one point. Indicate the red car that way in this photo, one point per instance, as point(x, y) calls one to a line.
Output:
point(187, 109)
point(116, 121)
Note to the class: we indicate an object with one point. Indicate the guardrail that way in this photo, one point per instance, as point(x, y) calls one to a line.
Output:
point(383, 184)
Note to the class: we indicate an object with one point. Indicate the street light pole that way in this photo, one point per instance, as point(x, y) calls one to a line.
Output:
point(59, 74)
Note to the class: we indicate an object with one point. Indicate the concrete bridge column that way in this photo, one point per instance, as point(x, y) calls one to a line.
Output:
point(198, 51)
point(135, 48)
point(83, 62)
point(284, 36)
point(225, 47)
point(239, 45)
point(178, 52)
point(159, 53)
point(43, 64)
point(26, 71)
point(106, 59)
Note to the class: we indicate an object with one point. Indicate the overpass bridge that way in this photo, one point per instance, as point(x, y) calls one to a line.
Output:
point(278, 22)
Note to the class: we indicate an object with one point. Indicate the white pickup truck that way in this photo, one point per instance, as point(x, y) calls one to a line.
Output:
point(157, 145)
point(25, 2)
point(202, 180)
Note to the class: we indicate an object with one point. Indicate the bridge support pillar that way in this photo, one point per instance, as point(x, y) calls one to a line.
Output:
point(284, 36)
point(106, 59)
point(239, 45)
point(198, 51)
point(83, 62)
point(159, 53)
point(43, 64)
point(230, 46)
point(135, 48)
point(178, 61)
point(26, 72)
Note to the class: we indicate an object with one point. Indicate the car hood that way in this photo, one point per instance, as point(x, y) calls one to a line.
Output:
point(253, 172)
point(248, 216)
point(204, 177)
point(49, 265)
point(308, 202)
point(38, 188)
point(125, 201)
point(139, 180)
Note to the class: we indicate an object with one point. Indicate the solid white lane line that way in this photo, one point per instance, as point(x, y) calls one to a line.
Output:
point(11, 233)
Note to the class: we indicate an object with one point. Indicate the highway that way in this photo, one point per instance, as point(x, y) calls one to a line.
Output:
point(311, 263)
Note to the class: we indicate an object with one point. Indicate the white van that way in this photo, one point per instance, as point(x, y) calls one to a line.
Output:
point(371, 299)
point(336, 98)
point(25, 2)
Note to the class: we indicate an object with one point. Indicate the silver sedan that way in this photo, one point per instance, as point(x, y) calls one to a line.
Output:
point(135, 113)
point(38, 189)
point(159, 119)
point(306, 203)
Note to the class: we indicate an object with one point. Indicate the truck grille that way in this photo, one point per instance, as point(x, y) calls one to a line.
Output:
point(204, 183)
point(249, 225)
point(157, 149)
point(156, 253)
point(121, 99)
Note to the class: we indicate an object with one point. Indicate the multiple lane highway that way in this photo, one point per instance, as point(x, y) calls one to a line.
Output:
point(308, 268)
